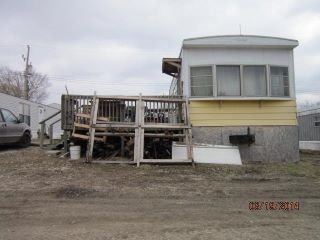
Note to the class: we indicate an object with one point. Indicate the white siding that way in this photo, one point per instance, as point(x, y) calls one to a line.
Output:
point(227, 55)
point(13, 104)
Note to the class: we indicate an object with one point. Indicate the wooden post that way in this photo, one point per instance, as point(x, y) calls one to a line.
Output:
point(65, 141)
point(141, 130)
point(43, 127)
point(93, 121)
point(136, 133)
point(51, 133)
point(188, 133)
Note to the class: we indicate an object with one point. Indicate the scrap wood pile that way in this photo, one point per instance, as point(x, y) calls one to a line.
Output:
point(116, 147)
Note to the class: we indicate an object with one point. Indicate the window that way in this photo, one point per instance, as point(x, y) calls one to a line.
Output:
point(239, 80)
point(279, 82)
point(228, 80)
point(317, 121)
point(8, 116)
point(201, 81)
point(254, 81)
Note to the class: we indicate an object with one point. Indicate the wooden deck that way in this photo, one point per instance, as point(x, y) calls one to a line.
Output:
point(132, 118)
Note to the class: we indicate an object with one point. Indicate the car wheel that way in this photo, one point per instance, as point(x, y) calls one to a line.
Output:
point(25, 140)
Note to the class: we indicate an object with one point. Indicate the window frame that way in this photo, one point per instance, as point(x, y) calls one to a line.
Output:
point(270, 81)
point(240, 77)
point(243, 79)
point(215, 95)
point(213, 81)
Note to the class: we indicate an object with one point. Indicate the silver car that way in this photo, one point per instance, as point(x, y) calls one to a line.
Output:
point(13, 131)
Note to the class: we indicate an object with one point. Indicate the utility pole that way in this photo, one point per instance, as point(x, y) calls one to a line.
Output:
point(26, 75)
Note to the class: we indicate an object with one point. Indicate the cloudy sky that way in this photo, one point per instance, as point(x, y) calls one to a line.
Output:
point(116, 46)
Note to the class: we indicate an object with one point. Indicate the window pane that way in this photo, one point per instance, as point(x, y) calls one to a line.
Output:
point(8, 116)
point(200, 71)
point(254, 81)
point(279, 82)
point(228, 78)
point(201, 81)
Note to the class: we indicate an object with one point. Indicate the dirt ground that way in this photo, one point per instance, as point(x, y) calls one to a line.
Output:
point(45, 197)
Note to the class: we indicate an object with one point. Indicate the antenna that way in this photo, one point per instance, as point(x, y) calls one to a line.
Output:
point(240, 29)
point(66, 89)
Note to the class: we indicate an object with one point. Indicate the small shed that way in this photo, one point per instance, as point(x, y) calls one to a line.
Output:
point(309, 125)
point(309, 129)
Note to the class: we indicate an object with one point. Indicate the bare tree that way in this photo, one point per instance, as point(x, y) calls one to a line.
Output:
point(12, 82)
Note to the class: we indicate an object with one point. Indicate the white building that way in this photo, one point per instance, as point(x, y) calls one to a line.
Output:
point(32, 113)
point(237, 85)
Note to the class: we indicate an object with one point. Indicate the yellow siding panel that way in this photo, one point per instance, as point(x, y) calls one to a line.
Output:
point(226, 103)
point(244, 109)
point(244, 116)
point(243, 113)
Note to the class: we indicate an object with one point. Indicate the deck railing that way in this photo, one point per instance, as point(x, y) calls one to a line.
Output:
point(121, 109)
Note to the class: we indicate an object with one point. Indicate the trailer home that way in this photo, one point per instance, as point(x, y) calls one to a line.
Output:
point(241, 91)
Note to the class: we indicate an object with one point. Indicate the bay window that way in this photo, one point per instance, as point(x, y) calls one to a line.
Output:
point(239, 81)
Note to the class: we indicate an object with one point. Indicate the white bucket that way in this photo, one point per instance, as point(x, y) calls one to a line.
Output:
point(74, 152)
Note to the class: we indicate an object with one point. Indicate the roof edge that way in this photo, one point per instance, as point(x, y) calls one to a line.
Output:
point(241, 35)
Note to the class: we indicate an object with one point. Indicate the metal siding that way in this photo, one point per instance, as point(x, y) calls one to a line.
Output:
point(307, 130)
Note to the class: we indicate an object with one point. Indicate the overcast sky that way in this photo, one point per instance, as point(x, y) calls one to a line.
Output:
point(116, 46)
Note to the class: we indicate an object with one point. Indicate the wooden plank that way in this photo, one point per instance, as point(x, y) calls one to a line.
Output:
point(136, 146)
point(83, 115)
point(105, 119)
point(114, 134)
point(163, 135)
point(113, 162)
point(140, 119)
point(137, 141)
point(81, 125)
point(165, 126)
point(114, 125)
point(81, 136)
point(51, 116)
point(165, 161)
point(93, 120)
point(88, 116)
point(86, 137)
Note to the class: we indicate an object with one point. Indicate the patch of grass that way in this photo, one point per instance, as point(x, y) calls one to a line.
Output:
point(306, 167)
point(303, 168)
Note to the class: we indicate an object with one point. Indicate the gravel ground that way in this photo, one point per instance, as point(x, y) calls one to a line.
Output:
point(45, 197)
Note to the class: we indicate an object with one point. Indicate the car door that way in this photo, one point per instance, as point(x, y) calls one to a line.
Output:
point(3, 129)
point(13, 128)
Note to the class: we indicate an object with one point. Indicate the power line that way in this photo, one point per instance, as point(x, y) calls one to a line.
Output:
point(134, 51)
